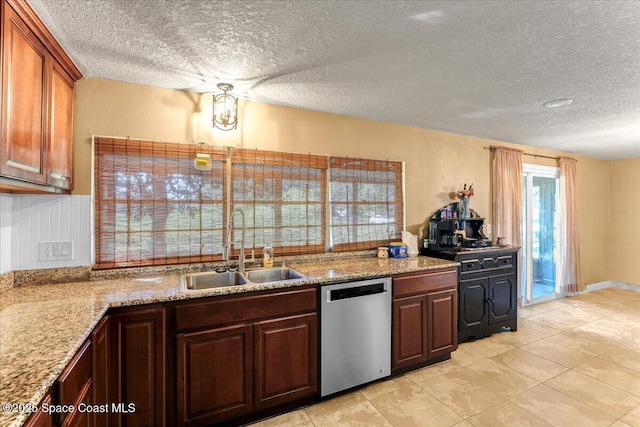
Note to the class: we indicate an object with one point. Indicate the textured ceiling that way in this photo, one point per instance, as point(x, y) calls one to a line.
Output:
point(481, 68)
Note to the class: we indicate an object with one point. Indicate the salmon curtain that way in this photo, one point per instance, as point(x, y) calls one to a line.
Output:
point(507, 194)
point(569, 245)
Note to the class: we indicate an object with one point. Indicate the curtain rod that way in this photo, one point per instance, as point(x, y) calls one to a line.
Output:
point(533, 155)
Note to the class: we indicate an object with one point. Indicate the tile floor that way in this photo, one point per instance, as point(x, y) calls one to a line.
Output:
point(572, 362)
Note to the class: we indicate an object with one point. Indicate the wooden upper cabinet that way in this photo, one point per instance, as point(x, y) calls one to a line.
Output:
point(24, 76)
point(38, 81)
point(61, 129)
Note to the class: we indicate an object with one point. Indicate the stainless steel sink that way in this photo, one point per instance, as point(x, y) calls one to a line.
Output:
point(211, 279)
point(273, 275)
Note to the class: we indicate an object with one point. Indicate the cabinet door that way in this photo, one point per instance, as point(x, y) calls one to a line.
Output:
point(137, 350)
point(409, 337)
point(25, 64)
point(74, 382)
point(78, 418)
point(286, 353)
point(502, 298)
point(61, 129)
point(214, 374)
point(442, 321)
point(39, 418)
point(100, 373)
point(473, 303)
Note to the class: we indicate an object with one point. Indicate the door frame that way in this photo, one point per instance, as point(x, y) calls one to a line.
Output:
point(526, 285)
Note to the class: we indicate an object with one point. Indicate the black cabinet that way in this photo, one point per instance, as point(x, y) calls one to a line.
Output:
point(487, 290)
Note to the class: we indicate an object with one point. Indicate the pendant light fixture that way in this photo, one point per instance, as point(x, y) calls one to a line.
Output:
point(225, 108)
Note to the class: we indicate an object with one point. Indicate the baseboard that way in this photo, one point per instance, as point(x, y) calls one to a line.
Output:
point(612, 284)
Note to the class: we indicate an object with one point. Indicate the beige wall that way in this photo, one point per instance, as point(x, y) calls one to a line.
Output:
point(437, 163)
point(624, 221)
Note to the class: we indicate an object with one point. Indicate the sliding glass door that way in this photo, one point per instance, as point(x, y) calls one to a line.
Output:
point(540, 225)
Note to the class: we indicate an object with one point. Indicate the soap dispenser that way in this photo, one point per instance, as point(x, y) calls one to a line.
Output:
point(267, 256)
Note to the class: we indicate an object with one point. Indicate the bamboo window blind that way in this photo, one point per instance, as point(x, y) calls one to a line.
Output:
point(152, 207)
point(366, 202)
point(283, 196)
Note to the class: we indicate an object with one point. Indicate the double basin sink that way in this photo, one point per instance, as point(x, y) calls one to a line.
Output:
point(211, 279)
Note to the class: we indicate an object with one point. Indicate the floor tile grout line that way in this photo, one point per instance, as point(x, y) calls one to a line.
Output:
point(629, 411)
point(577, 400)
point(588, 404)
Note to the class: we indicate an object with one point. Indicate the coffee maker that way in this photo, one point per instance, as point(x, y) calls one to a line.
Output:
point(448, 231)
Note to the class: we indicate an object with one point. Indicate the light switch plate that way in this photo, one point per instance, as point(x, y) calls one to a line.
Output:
point(56, 251)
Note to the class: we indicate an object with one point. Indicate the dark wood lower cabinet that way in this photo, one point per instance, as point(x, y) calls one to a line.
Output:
point(40, 418)
point(285, 359)
point(74, 387)
point(100, 372)
point(424, 319)
point(80, 418)
point(245, 354)
point(137, 366)
point(214, 374)
point(409, 331)
point(442, 309)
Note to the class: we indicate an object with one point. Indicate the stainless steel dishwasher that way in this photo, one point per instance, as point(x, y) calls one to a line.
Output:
point(355, 333)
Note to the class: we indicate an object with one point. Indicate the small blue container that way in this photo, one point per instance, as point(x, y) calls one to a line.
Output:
point(398, 250)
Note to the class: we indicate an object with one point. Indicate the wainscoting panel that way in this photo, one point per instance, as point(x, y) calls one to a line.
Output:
point(6, 210)
point(50, 218)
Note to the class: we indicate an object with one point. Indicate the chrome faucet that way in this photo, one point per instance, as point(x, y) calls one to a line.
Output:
point(226, 247)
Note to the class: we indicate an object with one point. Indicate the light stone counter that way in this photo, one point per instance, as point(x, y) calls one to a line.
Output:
point(41, 327)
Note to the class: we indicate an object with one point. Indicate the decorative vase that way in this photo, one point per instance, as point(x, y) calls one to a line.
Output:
point(463, 208)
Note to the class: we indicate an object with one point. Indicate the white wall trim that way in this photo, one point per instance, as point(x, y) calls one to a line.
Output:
point(612, 284)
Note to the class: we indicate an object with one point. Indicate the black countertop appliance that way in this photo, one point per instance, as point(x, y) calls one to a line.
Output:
point(447, 230)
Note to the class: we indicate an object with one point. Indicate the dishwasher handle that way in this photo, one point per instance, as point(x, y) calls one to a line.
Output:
point(355, 292)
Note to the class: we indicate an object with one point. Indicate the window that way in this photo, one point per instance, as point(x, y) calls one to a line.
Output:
point(366, 202)
point(152, 207)
point(283, 197)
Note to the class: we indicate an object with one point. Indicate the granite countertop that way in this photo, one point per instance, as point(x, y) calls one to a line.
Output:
point(42, 327)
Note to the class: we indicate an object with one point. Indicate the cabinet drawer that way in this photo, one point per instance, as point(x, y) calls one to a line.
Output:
point(505, 261)
point(412, 283)
point(219, 311)
point(75, 376)
point(487, 262)
point(470, 265)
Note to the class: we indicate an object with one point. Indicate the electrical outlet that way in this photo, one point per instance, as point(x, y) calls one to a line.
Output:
point(489, 229)
point(56, 251)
